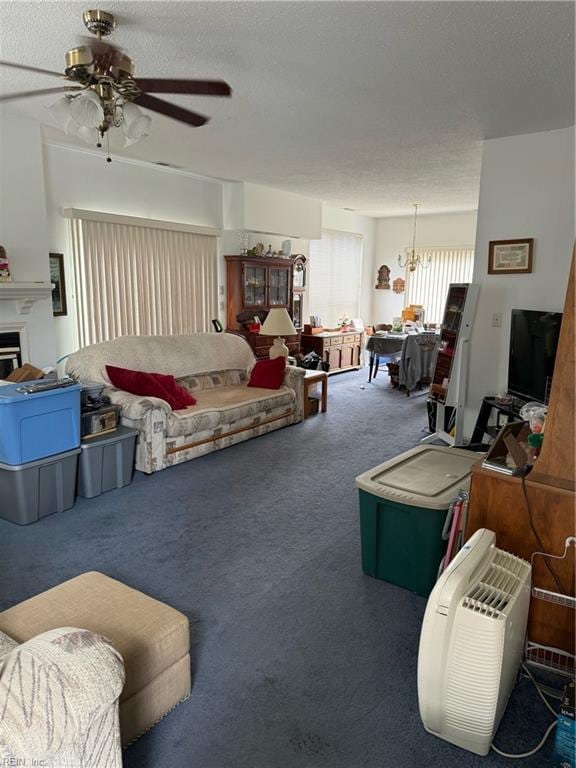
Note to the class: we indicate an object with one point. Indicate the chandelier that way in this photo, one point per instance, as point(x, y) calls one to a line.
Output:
point(413, 259)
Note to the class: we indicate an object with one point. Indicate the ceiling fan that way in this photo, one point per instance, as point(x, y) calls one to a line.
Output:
point(103, 92)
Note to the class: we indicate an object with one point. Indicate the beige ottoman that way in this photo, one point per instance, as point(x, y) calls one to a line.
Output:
point(153, 638)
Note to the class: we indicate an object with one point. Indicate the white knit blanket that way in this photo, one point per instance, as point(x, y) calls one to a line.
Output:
point(176, 355)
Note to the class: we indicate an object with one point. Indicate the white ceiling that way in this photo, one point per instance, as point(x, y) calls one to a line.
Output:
point(367, 105)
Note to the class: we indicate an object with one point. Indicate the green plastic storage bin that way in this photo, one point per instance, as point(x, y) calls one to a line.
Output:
point(403, 507)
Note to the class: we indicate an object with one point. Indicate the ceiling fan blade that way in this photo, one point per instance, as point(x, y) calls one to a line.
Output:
point(193, 87)
point(41, 92)
point(170, 110)
point(27, 68)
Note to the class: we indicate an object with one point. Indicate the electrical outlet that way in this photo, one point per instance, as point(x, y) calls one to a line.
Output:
point(497, 320)
point(221, 290)
point(221, 305)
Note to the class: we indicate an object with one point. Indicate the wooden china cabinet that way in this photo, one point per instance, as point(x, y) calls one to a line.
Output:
point(254, 285)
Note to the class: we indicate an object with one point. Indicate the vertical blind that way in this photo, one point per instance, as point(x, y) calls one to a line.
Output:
point(133, 280)
point(334, 276)
point(429, 286)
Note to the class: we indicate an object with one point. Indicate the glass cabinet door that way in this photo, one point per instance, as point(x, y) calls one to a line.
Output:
point(297, 310)
point(254, 286)
point(279, 281)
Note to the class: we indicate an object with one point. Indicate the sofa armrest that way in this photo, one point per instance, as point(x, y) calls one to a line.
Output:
point(136, 406)
point(57, 690)
point(294, 378)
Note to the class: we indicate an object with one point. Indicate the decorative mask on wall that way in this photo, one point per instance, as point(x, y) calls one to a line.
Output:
point(399, 285)
point(383, 278)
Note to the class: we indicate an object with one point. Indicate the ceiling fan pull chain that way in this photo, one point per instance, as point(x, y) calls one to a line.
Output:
point(108, 159)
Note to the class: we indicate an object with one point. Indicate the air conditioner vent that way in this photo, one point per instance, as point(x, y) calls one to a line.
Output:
point(498, 587)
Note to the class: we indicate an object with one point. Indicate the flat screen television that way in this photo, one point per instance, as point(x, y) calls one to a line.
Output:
point(533, 343)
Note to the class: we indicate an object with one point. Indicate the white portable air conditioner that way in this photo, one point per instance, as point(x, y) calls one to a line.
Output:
point(472, 643)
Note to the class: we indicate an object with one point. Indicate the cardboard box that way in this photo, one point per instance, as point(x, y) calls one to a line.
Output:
point(26, 372)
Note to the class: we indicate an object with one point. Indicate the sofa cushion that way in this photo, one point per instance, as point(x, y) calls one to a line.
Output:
point(195, 382)
point(225, 405)
point(150, 635)
point(268, 374)
point(6, 645)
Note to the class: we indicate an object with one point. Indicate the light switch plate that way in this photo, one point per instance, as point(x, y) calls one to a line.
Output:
point(497, 320)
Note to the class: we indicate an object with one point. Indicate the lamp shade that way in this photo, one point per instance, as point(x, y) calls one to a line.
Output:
point(86, 109)
point(60, 111)
point(135, 125)
point(278, 323)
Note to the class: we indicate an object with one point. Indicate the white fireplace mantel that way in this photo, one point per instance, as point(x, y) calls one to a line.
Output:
point(25, 294)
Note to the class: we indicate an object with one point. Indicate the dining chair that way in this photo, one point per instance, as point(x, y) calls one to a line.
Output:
point(417, 361)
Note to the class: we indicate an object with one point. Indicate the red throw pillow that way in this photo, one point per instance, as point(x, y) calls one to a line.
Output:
point(148, 384)
point(268, 374)
point(171, 385)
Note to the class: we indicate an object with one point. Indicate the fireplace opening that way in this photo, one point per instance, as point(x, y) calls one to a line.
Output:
point(10, 352)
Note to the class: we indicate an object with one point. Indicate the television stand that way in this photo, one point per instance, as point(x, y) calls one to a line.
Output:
point(489, 404)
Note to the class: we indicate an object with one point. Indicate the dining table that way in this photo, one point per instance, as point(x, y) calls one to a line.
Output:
point(383, 344)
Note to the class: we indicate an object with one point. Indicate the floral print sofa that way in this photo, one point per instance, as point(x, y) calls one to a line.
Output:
point(215, 368)
point(59, 693)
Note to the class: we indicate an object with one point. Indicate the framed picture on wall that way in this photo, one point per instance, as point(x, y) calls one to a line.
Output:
point(510, 257)
point(57, 279)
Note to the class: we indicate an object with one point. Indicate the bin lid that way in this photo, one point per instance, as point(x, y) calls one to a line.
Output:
point(53, 459)
point(10, 393)
point(426, 476)
point(120, 433)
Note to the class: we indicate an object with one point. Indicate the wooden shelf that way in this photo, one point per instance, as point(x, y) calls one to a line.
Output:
point(25, 294)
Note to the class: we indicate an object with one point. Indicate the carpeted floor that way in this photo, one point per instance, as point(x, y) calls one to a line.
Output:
point(299, 659)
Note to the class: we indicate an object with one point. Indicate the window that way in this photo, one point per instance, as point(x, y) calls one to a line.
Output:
point(334, 276)
point(141, 280)
point(429, 286)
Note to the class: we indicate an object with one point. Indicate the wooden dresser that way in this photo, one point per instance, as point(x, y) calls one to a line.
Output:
point(342, 351)
point(547, 503)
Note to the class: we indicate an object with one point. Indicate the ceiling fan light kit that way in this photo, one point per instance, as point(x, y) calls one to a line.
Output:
point(106, 93)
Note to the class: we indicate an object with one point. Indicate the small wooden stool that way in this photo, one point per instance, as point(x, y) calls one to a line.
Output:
point(311, 378)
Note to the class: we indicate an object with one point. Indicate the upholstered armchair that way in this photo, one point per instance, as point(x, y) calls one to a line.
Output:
point(59, 696)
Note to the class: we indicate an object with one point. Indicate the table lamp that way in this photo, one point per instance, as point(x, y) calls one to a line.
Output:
point(278, 323)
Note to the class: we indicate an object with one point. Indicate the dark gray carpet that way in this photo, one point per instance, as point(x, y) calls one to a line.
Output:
point(299, 659)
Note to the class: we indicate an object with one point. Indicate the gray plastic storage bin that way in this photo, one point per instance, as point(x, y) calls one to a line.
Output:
point(106, 462)
point(39, 488)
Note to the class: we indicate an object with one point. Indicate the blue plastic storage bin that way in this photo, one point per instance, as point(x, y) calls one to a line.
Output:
point(38, 425)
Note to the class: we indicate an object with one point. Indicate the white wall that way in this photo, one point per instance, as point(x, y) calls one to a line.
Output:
point(279, 212)
point(83, 179)
point(395, 234)
point(23, 230)
point(526, 190)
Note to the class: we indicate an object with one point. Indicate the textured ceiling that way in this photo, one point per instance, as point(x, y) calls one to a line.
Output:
point(367, 105)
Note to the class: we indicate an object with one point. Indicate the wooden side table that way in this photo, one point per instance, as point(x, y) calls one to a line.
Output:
point(311, 378)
